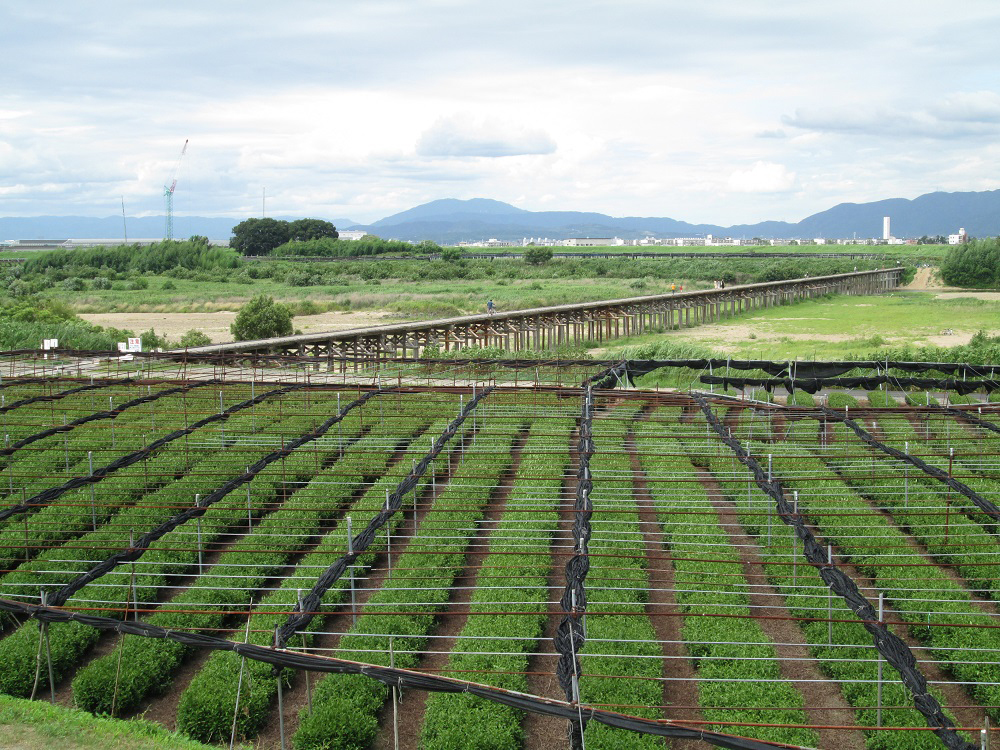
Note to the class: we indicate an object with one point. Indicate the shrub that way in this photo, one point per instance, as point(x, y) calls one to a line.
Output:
point(262, 318)
point(194, 337)
point(537, 255)
point(302, 278)
point(307, 307)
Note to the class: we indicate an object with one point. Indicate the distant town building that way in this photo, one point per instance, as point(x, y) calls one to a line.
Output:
point(958, 239)
point(351, 234)
point(591, 241)
point(491, 242)
point(886, 234)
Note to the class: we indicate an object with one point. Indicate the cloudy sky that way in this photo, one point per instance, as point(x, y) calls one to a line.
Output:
point(721, 111)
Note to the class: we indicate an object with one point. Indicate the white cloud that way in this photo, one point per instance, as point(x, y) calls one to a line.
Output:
point(465, 135)
point(762, 177)
point(959, 115)
point(365, 107)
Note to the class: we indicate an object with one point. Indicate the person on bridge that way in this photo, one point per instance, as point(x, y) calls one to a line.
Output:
point(489, 307)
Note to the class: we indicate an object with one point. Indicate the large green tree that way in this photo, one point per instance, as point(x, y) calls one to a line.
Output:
point(302, 230)
point(259, 236)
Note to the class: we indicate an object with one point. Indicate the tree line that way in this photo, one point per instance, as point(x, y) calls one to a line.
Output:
point(973, 264)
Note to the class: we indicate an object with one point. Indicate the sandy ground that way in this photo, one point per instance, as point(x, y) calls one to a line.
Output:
point(216, 324)
point(927, 280)
point(743, 332)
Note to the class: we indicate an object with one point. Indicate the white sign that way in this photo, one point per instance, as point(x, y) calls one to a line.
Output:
point(50, 344)
point(135, 345)
point(122, 346)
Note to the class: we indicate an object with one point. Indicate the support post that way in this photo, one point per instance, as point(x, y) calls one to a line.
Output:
point(350, 551)
point(881, 618)
point(281, 698)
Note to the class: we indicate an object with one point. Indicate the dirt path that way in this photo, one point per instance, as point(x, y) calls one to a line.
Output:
point(925, 278)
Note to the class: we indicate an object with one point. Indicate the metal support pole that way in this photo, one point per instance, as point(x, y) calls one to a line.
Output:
point(906, 477)
point(388, 539)
point(66, 444)
point(829, 599)
point(395, 700)
point(881, 617)
point(795, 554)
point(350, 551)
point(197, 504)
point(309, 700)
point(239, 686)
point(48, 654)
point(281, 698)
point(340, 428)
point(93, 507)
point(770, 505)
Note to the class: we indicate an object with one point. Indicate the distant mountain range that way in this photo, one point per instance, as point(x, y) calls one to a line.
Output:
point(450, 221)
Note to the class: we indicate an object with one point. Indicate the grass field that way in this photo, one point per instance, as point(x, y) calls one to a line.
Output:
point(837, 328)
point(406, 298)
point(35, 725)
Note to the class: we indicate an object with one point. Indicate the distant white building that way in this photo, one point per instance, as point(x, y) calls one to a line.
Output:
point(886, 234)
point(491, 242)
point(958, 239)
point(591, 241)
point(351, 234)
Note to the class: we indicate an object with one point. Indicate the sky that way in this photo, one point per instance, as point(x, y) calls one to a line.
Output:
point(718, 111)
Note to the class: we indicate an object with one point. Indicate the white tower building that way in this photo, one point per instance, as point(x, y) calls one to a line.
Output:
point(885, 228)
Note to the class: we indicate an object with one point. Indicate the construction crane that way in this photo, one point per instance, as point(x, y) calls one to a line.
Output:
point(168, 194)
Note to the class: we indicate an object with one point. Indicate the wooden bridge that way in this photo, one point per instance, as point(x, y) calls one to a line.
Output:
point(545, 327)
